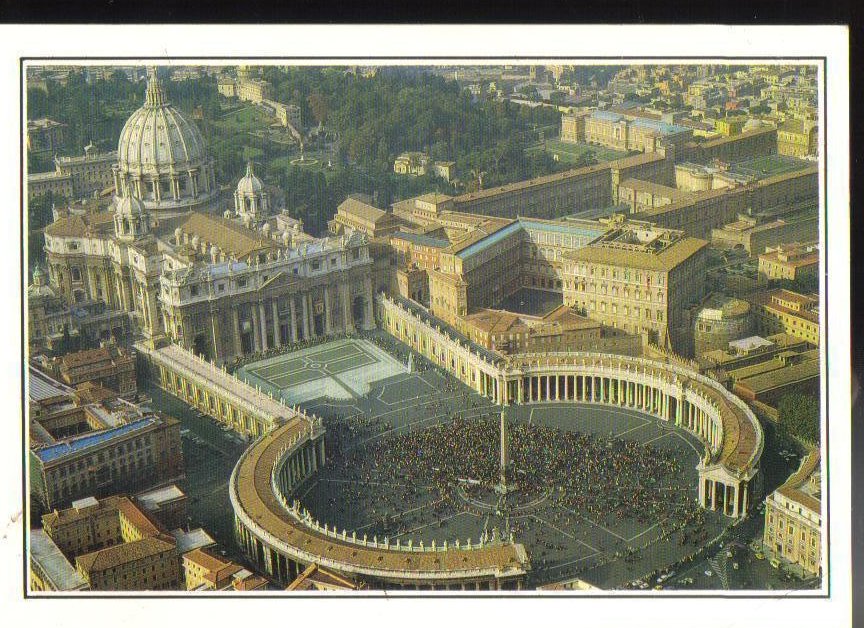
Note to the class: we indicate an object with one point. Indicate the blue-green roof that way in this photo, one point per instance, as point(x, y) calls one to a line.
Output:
point(523, 223)
point(488, 241)
point(575, 230)
point(81, 443)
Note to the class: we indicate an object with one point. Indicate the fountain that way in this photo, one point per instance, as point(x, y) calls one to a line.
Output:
point(302, 161)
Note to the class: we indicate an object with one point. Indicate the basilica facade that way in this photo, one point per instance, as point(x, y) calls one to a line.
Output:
point(222, 281)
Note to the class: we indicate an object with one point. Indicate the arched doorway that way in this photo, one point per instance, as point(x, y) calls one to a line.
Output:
point(358, 311)
point(200, 346)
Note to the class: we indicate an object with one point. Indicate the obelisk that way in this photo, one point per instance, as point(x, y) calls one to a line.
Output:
point(505, 458)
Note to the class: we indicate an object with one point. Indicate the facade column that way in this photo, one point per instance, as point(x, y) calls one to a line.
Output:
point(256, 333)
point(263, 314)
point(305, 300)
point(291, 305)
point(327, 322)
point(277, 327)
point(567, 387)
point(548, 388)
point(369, 298)
point(345, 298)
point(602, 389)
point(312, 332)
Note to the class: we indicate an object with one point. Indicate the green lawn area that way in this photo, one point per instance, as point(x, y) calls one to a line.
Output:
point(249, 118)
point(569, 153)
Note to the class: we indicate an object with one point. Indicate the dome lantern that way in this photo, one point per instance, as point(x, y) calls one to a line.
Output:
point(161, 157)
point(154, 96)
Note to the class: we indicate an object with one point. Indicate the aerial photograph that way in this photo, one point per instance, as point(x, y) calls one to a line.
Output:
point(503, 327)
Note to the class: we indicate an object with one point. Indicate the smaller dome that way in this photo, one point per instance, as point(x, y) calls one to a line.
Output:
point(266, 228)
point(250, 184)
point(228, 214)
point(128, 206)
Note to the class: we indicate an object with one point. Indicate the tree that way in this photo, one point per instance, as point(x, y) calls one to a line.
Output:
point(799, 416)
point(319, 107)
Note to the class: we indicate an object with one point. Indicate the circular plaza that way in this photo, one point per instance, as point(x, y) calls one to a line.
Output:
point(616, 467)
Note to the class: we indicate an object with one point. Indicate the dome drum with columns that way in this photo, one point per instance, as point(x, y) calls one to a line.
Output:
point(162, 158)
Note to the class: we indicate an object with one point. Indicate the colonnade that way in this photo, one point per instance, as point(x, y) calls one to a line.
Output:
point(282, 541)
point(666, 400)
point(669, 392)
point(730, 498)
point(214, 391)
point(302, 462)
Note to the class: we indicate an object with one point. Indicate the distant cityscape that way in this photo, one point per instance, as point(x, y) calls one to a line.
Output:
point(252, 290)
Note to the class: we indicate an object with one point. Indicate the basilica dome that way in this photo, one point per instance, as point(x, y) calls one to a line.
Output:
point(162, 158)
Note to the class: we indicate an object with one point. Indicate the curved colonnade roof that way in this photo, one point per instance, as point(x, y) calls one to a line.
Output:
point(251, 483)
point(252, 488)
point(742, 433)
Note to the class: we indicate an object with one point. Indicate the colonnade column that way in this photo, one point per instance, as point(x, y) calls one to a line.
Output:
point(238, 346)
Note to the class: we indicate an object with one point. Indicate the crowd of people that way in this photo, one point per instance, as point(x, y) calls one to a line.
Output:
point(579, 476)
point(386, 480)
